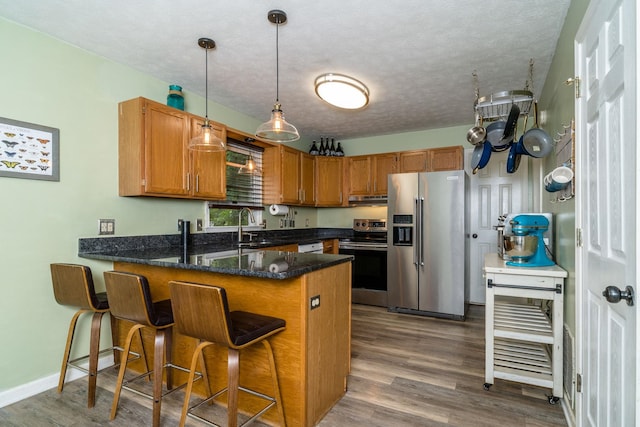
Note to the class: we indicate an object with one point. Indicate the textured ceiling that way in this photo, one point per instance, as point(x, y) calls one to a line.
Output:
point(416, 56)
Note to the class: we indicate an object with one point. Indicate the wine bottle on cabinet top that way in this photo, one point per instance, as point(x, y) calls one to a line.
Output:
point(332, 150)
point(314, 149)
point(339, 151)
point(321, 152)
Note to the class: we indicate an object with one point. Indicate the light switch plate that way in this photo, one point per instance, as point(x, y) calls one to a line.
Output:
point(107, 227)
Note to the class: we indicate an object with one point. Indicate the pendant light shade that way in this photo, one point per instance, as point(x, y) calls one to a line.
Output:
point(277, 129)
point(207, 140)
point(250, 167)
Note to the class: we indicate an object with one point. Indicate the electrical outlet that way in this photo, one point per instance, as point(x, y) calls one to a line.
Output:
point(107, 226)
point(306, 222)
point(314, 302)
point(199, 224)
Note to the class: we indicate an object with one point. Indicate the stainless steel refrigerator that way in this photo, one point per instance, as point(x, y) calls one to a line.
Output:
point(427, 243)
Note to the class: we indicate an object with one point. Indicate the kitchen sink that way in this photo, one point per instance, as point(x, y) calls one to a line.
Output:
point(254, 244)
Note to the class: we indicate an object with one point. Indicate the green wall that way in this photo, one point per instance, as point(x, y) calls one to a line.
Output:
point(55, 84)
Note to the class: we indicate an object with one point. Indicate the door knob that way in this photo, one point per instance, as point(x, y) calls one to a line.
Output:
point(474, 235)
point(613, 294)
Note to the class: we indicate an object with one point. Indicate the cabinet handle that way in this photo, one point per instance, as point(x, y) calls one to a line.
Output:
point(197, 183)
point(188, 181)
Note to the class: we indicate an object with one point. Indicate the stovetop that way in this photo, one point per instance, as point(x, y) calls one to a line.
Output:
point(368, 232)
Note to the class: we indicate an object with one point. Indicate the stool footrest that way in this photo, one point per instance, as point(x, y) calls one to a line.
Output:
point(272, 402)
point(126, 386)
point(77, 362)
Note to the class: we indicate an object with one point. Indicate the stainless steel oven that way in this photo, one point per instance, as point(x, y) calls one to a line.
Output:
point(369, 269)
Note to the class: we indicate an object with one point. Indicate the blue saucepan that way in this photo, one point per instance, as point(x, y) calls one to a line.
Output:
point(480, 157)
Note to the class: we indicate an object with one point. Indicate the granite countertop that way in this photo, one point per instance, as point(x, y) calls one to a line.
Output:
point(216, 257)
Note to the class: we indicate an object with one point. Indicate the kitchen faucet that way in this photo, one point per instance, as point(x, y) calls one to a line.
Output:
point(249, 219)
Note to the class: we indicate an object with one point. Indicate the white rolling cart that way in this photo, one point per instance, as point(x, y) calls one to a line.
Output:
point(523, 324)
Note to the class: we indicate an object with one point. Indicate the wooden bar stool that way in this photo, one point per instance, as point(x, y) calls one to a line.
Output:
point(202, 311)
point(130, 300)
point(73, 286)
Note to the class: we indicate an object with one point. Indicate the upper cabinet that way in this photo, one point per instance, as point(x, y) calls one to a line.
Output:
point(153, 157)
point(329, 181)
point(288, 176)
point(431, 160)
point(367, 175)
point(445, 158)
point(412, 161)
point(207, 177)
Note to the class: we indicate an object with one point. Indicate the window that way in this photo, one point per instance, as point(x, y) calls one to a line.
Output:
point(242, 191)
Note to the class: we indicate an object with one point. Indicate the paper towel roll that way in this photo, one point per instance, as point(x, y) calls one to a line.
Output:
point(278, 267)
point(278, 209)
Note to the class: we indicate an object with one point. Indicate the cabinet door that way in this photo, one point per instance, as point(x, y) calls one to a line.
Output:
point(413, 161)
point(207, 176)
point(166, 133)
point(307, 179)
point(289, 175)
point(445, 158)
point(329, 181)
point(383, 165)
point(359, 173)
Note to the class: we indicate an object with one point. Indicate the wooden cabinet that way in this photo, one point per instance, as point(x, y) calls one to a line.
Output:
point(329, 181)
point(307, 180)
point(288, 176)
point(330, 246)
point(358, 171)
point(412, 161)
point(207, 176)
point(367, 175)
point(383, 165)
point(153, 155)
point(445, 158)
point(431, 160)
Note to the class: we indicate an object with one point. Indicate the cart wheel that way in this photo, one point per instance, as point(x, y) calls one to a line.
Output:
point(553, 400)
point(487, 385)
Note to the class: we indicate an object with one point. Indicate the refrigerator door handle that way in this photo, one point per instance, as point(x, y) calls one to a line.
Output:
point(416, 211)
point(421, 235)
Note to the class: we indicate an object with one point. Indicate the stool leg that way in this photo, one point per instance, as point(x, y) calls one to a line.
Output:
point(233, 367)
point(197, 355)
point(274, 378)
point(67, 348)
point(123, 368)
point(168, 358)
point(94, 349)
point(158, 363)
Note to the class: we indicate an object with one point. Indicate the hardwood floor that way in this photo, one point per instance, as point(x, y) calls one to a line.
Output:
point(406, 371)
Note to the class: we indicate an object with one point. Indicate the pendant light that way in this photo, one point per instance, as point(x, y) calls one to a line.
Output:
point(207, 140)
point(250, 167)
point(277, 129)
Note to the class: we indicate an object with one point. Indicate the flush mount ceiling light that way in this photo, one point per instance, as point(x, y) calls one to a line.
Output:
point(277, 129)
point(207, 140)
point(342, 91)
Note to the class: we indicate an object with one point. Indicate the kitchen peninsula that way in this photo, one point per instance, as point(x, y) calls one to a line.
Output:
point(311, 292)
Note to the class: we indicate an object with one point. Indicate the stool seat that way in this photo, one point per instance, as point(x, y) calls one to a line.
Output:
point(246, 327)
point(202, 311)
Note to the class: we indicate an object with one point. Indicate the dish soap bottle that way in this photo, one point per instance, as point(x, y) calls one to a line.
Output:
point(175, 98)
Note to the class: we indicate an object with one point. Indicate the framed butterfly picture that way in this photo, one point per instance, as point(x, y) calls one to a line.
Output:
point(29, 150)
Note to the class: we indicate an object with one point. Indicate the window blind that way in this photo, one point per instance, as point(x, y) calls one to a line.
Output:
point(242, 190)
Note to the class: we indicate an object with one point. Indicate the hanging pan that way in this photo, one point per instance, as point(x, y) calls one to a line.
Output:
point(513, 159)
point(480, 156)
point(495, 131)
point(477, 134)
point(536, 142)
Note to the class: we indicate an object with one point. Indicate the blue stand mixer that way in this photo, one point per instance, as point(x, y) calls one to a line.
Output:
point(524, 228)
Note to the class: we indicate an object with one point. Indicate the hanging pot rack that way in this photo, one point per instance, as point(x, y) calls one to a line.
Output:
point(496, 106)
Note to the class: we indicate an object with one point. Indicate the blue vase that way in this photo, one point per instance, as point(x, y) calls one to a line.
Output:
point(175, 98)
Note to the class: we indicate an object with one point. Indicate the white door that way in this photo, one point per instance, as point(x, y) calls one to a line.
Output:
point(606, 210)
point(493, 192)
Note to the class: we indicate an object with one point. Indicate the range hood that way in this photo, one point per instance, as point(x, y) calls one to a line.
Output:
point(368, 200)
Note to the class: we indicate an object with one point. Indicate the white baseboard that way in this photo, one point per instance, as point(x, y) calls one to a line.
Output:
point(32, 388)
